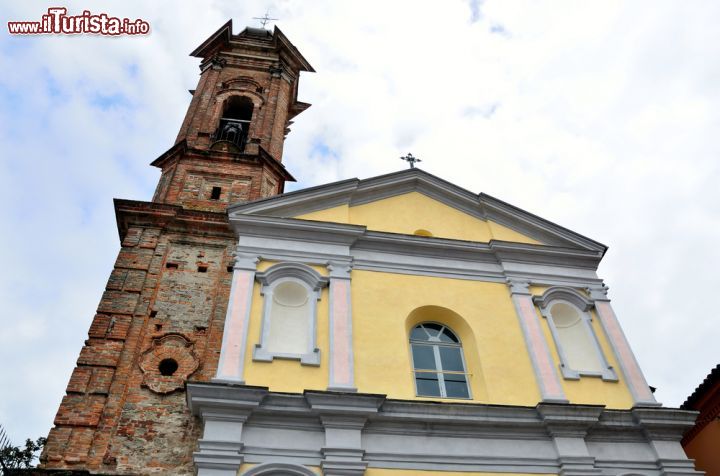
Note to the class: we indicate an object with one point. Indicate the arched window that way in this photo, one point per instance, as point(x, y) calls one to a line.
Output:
point(235, 121)
point(570, 322)
point(279, 469)
point(438, 362)
point(291, 292)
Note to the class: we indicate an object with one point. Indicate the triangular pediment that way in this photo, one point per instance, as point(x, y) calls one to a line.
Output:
point(416, 202)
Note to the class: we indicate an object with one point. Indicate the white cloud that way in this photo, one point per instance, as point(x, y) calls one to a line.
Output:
point(600, 116)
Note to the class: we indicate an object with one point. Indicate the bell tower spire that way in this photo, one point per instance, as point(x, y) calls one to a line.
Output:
point(230, 144)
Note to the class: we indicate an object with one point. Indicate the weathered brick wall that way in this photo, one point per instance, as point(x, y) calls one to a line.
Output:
point(200, 100)
point(194, 177)
point(165, 300)
point(91, 384)
point(155, 430)
point(280, 101)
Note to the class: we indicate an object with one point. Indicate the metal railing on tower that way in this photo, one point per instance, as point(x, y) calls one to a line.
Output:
point(232, 130)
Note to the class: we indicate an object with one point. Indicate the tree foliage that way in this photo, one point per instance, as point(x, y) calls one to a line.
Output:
point(14, 458)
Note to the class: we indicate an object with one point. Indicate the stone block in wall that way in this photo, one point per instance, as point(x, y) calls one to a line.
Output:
point(68, 443)
point(118, 327)
point(134, 280)
point(80, 410)
point(149, 238)
point(56, 443)
point(78, 445)
point(132, 237)
point(117, 279)
point(109, 326)
point(79, 380)
point(134, 258)
point(91, 380)
point(156, 263)
point(100, 380)
point(143, 306)
point(151, 283)
point(101, 352)
point(126, 279)
point(118, 302)
point(99, 325)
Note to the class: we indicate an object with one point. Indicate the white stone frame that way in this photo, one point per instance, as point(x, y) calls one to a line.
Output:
point(313, 282)
point(583, 305)
point(267, 469)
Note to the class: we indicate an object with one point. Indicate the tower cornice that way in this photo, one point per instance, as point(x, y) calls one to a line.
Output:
point(181, 150)
point(159, 215)
point(252, 38)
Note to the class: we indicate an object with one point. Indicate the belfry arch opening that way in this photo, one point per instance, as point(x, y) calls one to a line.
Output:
point(235, 121)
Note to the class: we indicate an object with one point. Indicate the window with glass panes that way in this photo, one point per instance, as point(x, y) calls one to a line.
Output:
point(438, 362)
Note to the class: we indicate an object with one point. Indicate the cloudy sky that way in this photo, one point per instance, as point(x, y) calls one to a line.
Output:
point(600, 116)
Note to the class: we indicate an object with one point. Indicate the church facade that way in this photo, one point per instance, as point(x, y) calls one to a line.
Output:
point(391, 326)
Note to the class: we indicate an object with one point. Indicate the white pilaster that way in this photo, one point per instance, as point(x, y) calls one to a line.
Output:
point(545, 372)
point(634, 378)
point(342, 371)
point(237, 320)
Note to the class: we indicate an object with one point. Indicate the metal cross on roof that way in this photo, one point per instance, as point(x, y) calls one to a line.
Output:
point(265, 18)
point(410, 160)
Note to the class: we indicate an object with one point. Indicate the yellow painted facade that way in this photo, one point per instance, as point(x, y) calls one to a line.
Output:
point(339, 214)
point(385, 306)
point(411, 212)
point(408, 472)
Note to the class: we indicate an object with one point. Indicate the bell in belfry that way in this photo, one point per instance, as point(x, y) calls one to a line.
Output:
point(232, 132)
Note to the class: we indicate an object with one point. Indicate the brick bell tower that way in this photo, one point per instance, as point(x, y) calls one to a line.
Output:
point(161, 317)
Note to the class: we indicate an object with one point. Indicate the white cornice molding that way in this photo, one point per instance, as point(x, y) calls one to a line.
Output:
point(565, 293)
point(425, 246)
point(299, 271)
point(223, 398)
point(543, 254)
point(316, 241)
point(291, 228)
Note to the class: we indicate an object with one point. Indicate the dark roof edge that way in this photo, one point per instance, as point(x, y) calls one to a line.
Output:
point(712, 378)
point(224, 33)
point(305, 64)
point(558, 228)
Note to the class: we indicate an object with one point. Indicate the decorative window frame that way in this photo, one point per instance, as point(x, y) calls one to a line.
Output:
point(440, 371)
point(583, 305)
point(267, 469)
point(313, 282)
